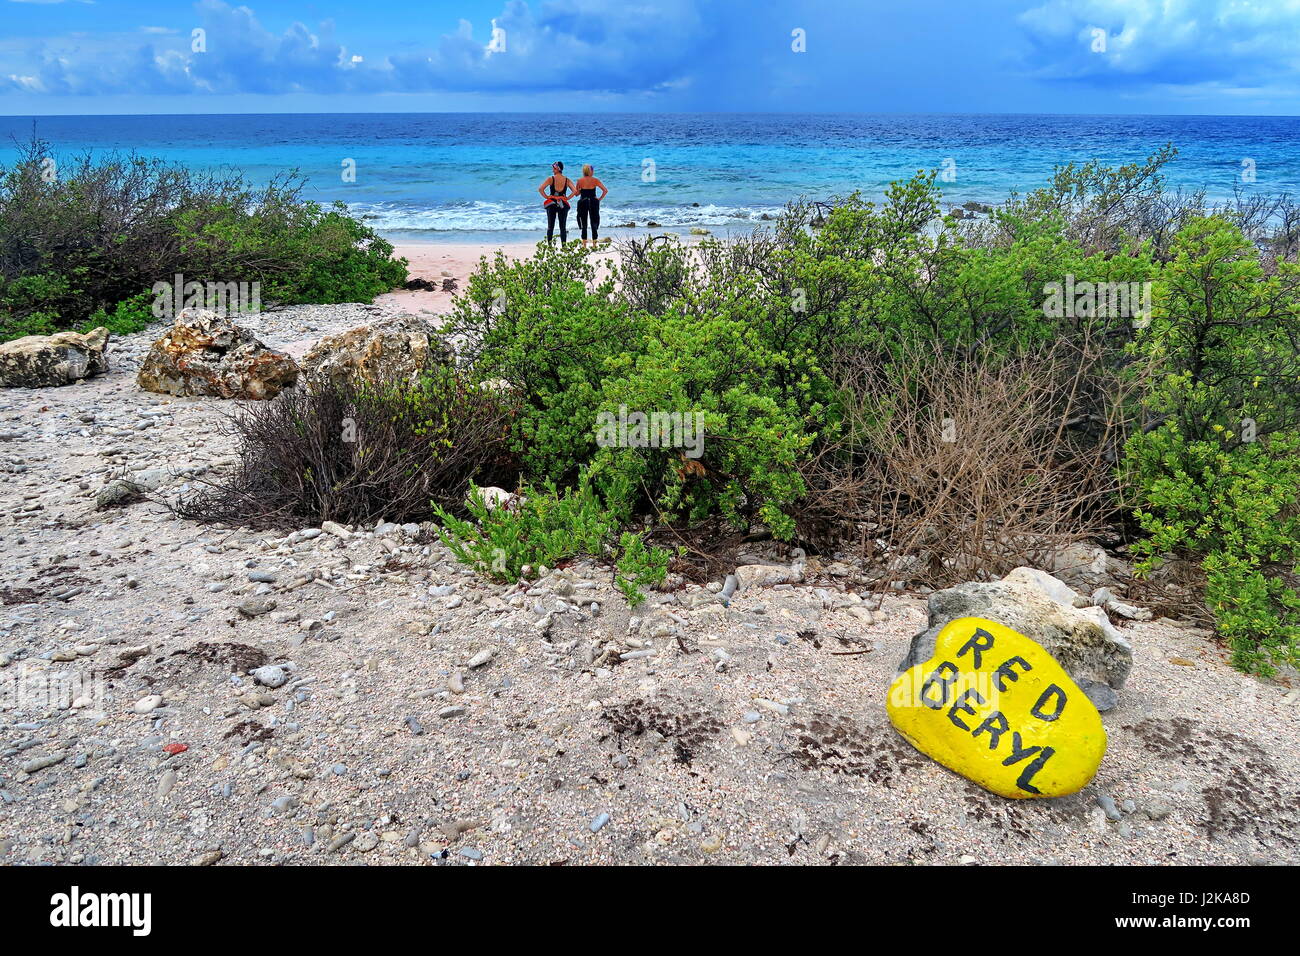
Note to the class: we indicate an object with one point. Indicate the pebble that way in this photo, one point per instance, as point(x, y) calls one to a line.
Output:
point(271, 676)
point(598, 824)
point(1107, 804)
point(455, 710)
point(481, 658)
point(256, 607)
point(165, 784)
point(147, 704)
point(40, 763)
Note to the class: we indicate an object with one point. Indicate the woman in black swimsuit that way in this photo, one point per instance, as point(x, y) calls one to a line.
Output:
point(589, 204)
point(555, 188)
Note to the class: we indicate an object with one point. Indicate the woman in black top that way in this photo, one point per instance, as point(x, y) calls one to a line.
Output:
point(589, 203)
point(555, 190)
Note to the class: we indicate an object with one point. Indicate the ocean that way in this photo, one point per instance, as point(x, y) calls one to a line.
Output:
point(473, 177)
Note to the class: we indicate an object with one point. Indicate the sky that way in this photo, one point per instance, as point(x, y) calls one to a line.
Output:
point(876, 56)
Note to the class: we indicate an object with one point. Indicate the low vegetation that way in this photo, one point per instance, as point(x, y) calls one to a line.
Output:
point(943, 398)
point(83, 241)
point(360, 452)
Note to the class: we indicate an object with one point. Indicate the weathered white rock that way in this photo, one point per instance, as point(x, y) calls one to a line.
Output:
point(399, 348)
point(43, 361)
point(204, 353)
point(766, 575)
point(1082, 640)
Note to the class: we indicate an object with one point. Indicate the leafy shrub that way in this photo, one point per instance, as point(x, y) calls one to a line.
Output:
point(358, 452)
point(1215, 474)
point(544, 526)
point(103, 229)
point(130, 315)
point(535, 324)
point(716, 376)
point(1237, 508)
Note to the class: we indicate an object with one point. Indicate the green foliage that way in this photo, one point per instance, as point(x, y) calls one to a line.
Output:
point(535, 324)
point(1236, 507)
point(299, 251)
point(717, 378)
point(640, 565)
point(92, 232)
point(544, 526)
point(130, 315)
point(1217, 474)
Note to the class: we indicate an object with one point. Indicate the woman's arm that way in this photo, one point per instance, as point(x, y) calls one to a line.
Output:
point(542, 188)
point(604, 187)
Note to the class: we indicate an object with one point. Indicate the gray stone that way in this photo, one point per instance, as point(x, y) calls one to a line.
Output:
point(271, 676)
point(43, 361)
point(1081, 639)
point(118, 493)
point(767, 575)
point(1101, 695)
point(1107, 804)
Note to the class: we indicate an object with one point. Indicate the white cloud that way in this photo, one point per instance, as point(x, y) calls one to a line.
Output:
point(588, 45)
point(1223, 44)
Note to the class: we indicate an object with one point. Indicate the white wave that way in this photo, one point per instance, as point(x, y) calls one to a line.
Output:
point(482, 216)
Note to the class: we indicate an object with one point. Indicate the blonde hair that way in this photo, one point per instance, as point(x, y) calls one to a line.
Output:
point(586, 170)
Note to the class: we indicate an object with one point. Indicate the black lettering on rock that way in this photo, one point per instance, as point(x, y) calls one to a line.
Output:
point(1052, 691)
point(1027, 774)
point(1018, 753)
point(962, 703)
point(1005, 673)
point(995, 725)
point(945, 682)
point(979, 642)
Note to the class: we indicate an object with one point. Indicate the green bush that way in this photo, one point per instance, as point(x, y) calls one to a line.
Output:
point(89, 234)
point(131, 315)
point(535, 324)
point(544, 526)
point(1236, 507)
point(1216, 473)
point(716, 377)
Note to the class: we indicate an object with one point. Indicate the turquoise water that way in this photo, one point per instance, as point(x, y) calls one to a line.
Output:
point(473, 177)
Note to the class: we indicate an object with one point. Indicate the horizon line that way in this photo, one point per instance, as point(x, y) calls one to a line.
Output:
point(528, 112)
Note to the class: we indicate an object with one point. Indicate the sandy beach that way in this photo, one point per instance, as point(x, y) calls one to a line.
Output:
point(436, 261)
point(431, 716)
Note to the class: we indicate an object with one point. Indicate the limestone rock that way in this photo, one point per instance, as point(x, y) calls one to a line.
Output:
point(1081, 639)
point(397, 348)
point(42, 361)
point(1085, 566)
point(767, 575)
point(205, 353)
point(119, 493)
point(995, 707)
point(494, 498)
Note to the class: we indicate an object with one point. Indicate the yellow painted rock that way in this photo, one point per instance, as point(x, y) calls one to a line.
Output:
point(995, 707)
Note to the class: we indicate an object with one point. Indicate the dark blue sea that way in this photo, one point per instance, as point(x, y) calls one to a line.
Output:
point(473, 177)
